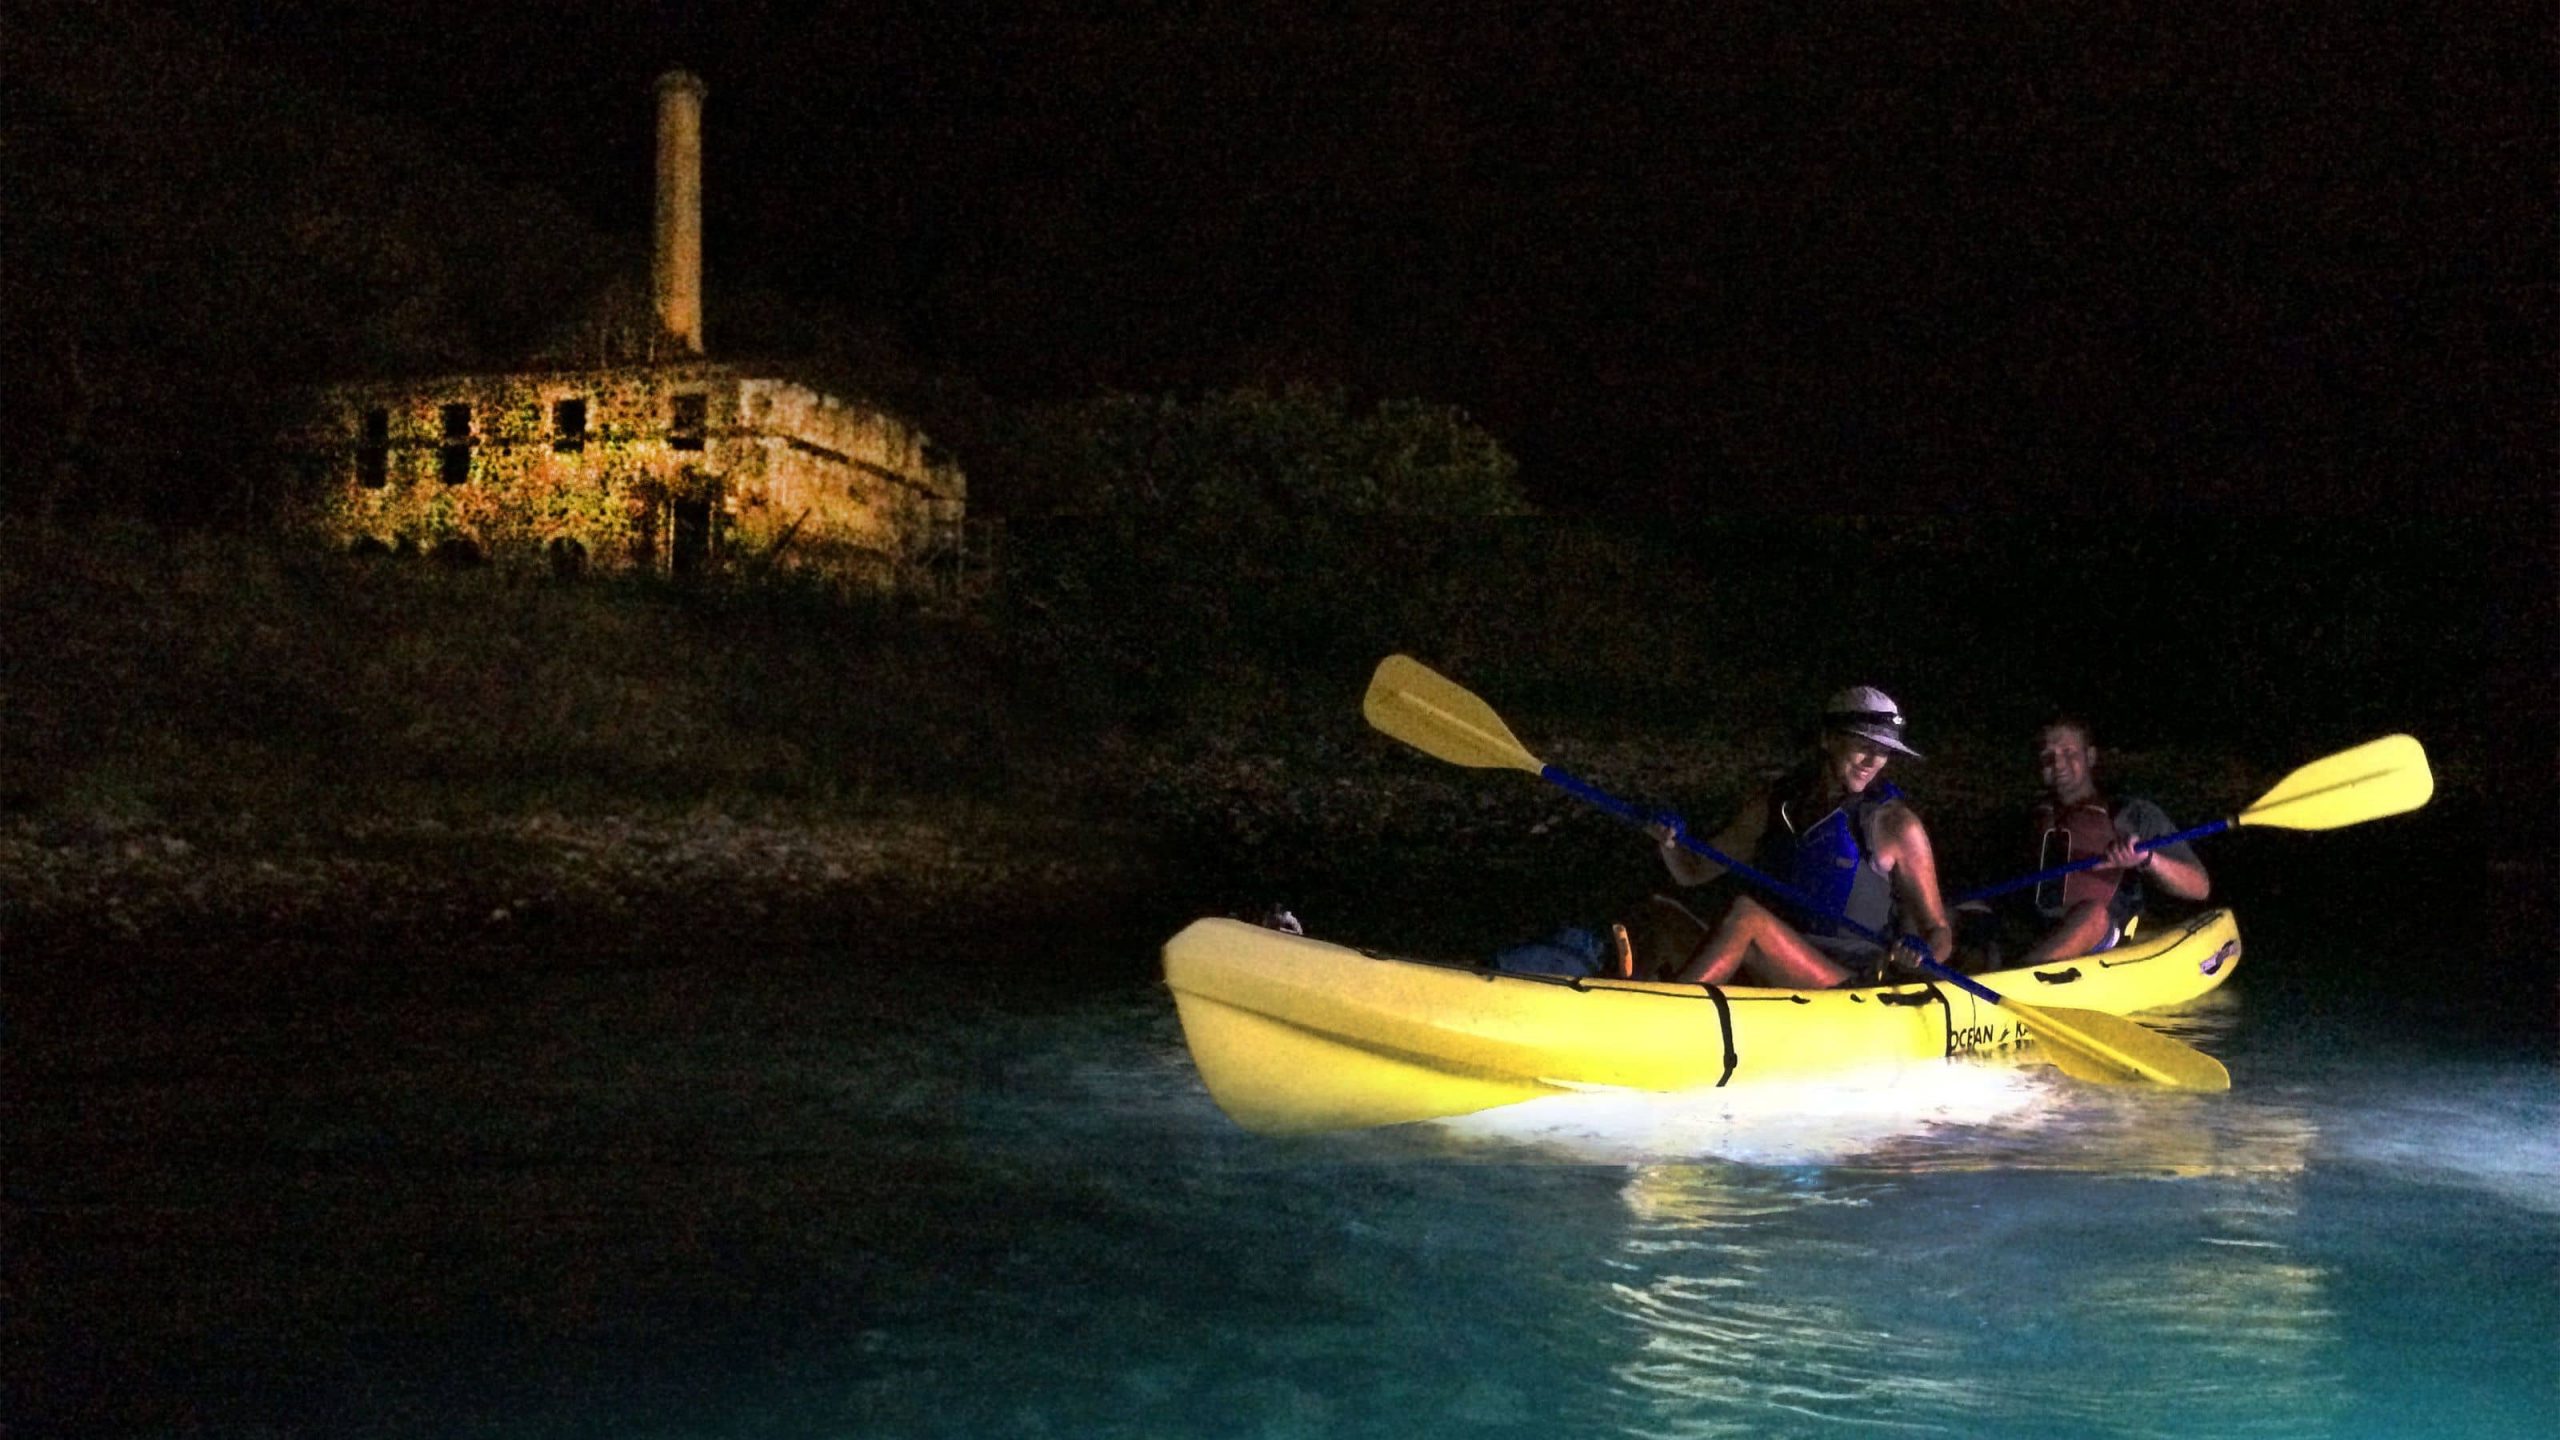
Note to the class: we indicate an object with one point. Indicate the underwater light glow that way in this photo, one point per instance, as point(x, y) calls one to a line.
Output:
point(1822, 1123)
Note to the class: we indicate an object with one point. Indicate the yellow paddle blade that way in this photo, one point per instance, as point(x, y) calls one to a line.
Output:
point(2381, 777)
point(1435, 715)
point(2112, 1050)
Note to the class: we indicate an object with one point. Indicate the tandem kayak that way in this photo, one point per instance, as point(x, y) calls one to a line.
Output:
point(1294, 1034)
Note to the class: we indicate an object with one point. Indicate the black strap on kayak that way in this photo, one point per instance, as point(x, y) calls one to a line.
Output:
point(1724, 1008)
point(1946, 1016)
point(1724, 1019)
point(1946, 1012)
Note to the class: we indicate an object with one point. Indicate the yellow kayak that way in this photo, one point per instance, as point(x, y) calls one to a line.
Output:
point(1296, 1034)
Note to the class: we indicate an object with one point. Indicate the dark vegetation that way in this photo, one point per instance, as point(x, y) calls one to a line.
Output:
point(217, 740)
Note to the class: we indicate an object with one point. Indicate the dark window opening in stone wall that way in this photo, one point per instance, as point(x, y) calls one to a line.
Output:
point(373, 450)
point(569, 425)
point(568, 558)
point(692, 549)
point(455, 457)
point(691, 419)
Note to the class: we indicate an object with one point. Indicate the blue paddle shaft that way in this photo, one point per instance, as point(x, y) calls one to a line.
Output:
point(2089, 862)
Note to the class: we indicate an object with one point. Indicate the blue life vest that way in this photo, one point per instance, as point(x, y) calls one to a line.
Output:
point(1827, 859)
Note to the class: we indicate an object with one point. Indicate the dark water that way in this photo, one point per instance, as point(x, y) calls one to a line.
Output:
point(829, 1195)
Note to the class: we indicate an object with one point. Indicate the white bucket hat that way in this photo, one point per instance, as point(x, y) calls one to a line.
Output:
point(1868, 713)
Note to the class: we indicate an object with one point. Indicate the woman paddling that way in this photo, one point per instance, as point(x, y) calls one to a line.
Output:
point(1849, 845)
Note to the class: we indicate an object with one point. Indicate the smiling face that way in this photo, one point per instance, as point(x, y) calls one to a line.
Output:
point(1850, 763)
point(2066, 762)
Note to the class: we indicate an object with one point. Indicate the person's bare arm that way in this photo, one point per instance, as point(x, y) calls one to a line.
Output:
point(2183, 879)
point(1902, 847)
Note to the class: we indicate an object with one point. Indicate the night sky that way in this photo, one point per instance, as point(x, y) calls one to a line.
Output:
point(1682, 259)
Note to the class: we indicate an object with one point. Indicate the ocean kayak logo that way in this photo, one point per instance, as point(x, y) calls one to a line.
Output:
point(1974, 1039)
point(2213, 963)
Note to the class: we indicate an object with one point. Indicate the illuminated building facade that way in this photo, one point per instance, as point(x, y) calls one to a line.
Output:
point(681, 466)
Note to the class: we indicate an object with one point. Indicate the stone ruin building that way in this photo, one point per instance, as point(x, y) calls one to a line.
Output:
point(681, 466)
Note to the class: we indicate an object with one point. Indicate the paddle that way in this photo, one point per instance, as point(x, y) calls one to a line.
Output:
point(1437, 716)
point(2380, 777)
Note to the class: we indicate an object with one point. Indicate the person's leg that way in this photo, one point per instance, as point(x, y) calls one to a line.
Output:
point(1666, 936)
point(1752, 935)
point(1784, 960)
point(2083, 929)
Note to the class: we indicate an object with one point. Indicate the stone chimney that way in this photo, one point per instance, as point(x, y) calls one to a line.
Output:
point(676, 275)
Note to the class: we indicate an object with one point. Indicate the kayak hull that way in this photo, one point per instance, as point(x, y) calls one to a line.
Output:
point(1294, 1034)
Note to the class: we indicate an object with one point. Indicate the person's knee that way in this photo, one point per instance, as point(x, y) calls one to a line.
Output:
point(2086, 918)
point(2079, 932)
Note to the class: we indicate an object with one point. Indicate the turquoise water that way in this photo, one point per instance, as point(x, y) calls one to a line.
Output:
point(2344, 1247)
point(804, 1197)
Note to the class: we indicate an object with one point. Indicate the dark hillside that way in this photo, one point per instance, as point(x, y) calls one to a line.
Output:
point(216, 741)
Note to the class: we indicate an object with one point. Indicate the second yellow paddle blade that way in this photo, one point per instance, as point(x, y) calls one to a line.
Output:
point(2113, 1050)
point(2378, 778)
point(1435, 715)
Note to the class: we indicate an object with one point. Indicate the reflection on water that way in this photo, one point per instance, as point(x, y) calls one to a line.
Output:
point(1880, 1303)
point(2002, 1251)
point(1724, 1328)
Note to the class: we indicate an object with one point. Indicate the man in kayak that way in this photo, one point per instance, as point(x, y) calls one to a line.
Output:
point(2086, 912)
point(1845, 840)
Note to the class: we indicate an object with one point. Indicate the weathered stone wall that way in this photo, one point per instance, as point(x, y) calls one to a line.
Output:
point(852, 488)
point(781, 474)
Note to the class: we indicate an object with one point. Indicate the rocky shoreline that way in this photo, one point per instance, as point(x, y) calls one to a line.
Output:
point(588, 883)
point(1366, 836)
